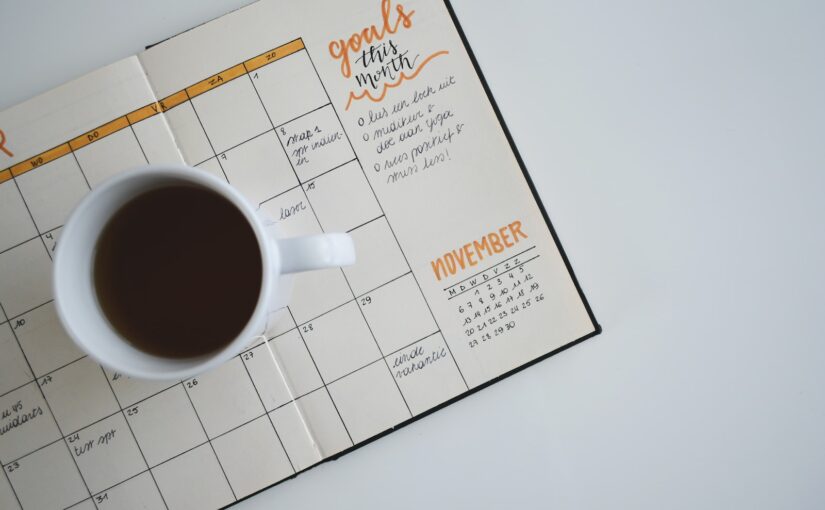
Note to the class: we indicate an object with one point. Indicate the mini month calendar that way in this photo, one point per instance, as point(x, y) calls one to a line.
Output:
point(368, 117)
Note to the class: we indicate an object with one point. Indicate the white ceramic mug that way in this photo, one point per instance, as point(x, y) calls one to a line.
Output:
point(76, 300)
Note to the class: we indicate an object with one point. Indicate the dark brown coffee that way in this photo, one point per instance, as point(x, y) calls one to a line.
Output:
point(177, 271)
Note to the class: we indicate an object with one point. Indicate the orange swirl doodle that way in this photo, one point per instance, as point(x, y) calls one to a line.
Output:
point(401, 78)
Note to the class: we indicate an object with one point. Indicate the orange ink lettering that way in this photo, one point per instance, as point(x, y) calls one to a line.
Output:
point(470, 254)
point(3, 147)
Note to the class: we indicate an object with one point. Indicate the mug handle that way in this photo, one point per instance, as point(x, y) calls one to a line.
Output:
point(321, 251)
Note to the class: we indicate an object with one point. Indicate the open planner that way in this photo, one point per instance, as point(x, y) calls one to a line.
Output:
point(366, 116)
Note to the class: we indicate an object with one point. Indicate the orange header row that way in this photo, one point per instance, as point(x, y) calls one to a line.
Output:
point(152, 109)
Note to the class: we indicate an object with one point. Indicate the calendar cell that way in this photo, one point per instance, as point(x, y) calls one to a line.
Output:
point(78, 395)
point(315, 143)
point(27, 423)
point(165, 425)
point(252, 457)
point(259, 168)
point(340, 342)
point(342, 199)
point(16, 225)
point(231, 114)
point(426, 373)
point(106, 453)
point(52, 190)
point(369, 401)
point(188, 133)
point(17, 373)
point(156, 140)
point(7, 497)
point(137, 493)
point(379, 257)
point(282, 369)
point(397, 314)
point(44, 341)
point(193, 481)
point(289, 88)
point(25, 277)
point(97, 159)
point(310, 429)
point(48, 479)
point(224, 398)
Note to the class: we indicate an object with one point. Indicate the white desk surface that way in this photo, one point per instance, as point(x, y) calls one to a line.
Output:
point(679, 149)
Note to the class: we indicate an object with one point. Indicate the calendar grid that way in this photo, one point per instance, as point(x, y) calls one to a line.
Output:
point(303, 192)
point(337, 362)
point(208, 440)
point(326, 388)
point(132, 432)
point(429, 308)
point(57, 425)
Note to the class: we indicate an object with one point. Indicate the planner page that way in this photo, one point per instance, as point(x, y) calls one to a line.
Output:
point(368, 117)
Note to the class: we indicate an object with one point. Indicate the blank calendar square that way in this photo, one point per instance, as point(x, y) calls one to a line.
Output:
point(187, 130)
point(282, 369)
point(165, 425)
point(231, 114)
point(289, 87)
point(17, 373)
point(193, 481)
point(106, 453)
point(44, 341)
point(157, 142)
point(39, 429)
point(315, 143)
point(397, 314)
point(342, 199)
point(109, 156)
point(259, 168)
point(224, 398)
point(426, 373)
point(131, 390)
point(379, 257)
point(138, 493)
point(310, 429)
point(48, 479)
point(317, 292)
point(86, 504)
point(369, 401)
point(252, 457)
point(16, 225)
point(7, 497)
point(25, 277)
point(340, 342)
point(79, 395)
point(52, 190)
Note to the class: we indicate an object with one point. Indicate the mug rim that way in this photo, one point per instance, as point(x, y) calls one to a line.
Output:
point(269, 264)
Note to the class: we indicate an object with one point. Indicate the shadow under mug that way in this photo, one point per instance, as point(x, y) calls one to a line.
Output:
point(73, 283)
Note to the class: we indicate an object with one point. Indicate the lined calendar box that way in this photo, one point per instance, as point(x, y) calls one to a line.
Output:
point(379, 257)
point(340, 342)
point(289, 88)
point(25, 277)
point(282, 370)
point(40, 428)
point(18, 373)
point(315, 143)
point(259, 168)
point(51, 190)
point(106, 453)
point(79, 395)
point(252, 456)
point(44, 341)
point(189, 135)
point(231, 114)
point(369, 401)
point(48, 479)
point(342, 199)
point(16, 225)
point(326, 436)
point(138, 493)
point(194, 480)
point(96, 158)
